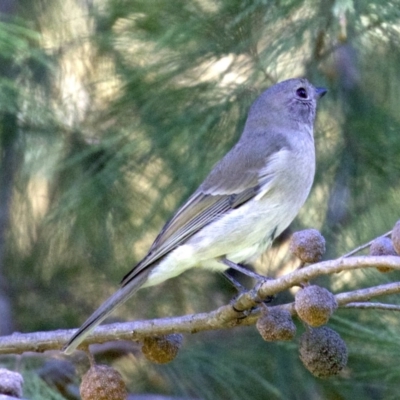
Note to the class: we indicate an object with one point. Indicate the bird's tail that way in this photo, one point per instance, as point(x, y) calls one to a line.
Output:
point(118, 298)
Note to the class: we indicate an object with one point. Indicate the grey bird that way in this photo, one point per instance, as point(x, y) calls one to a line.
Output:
point(246, 201)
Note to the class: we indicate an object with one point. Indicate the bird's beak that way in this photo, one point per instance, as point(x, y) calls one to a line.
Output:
point(320, 91)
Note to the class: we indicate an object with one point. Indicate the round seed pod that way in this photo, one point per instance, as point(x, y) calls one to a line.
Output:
point(382, 246)
point(308, 245)
point(276, 324)
point(103, 383)
point(162, 349)
point(315, 305)
point(396, 237)
point(323, 352)
point(10, 383)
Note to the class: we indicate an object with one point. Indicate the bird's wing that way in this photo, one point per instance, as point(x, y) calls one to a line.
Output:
point(229, 185)
point(197, 212)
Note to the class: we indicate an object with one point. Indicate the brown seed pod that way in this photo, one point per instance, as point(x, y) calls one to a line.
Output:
point(276, 324)
point(382, 246)
point(315, 305)
point(396, 237)
point(103, 383)
point(162, 349)
point(308, 245)
point(10, 383)
point(323, 352)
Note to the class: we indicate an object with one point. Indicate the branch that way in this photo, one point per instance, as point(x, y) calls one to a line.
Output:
point(368, 293)
point(297, 277)
point(365, 245)
point(222, 318)
point(374, 306)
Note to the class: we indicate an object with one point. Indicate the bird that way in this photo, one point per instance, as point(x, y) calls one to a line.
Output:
point(248, 199)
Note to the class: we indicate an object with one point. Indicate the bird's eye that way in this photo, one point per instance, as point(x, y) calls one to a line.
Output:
point(301, 92)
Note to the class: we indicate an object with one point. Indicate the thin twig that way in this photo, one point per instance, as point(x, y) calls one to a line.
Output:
point(366, 294)
point(365, 245)
point(375, 306)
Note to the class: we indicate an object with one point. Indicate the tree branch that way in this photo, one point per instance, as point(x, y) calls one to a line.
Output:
point(225, 316)
point(365, 245)
point(374, 306)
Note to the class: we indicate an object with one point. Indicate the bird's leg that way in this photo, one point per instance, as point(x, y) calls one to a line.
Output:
point(241, 289)
point(241, 269)
point(259, 278)
point(238, 286)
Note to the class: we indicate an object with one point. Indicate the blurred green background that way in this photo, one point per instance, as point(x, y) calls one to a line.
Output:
point(111, 114)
